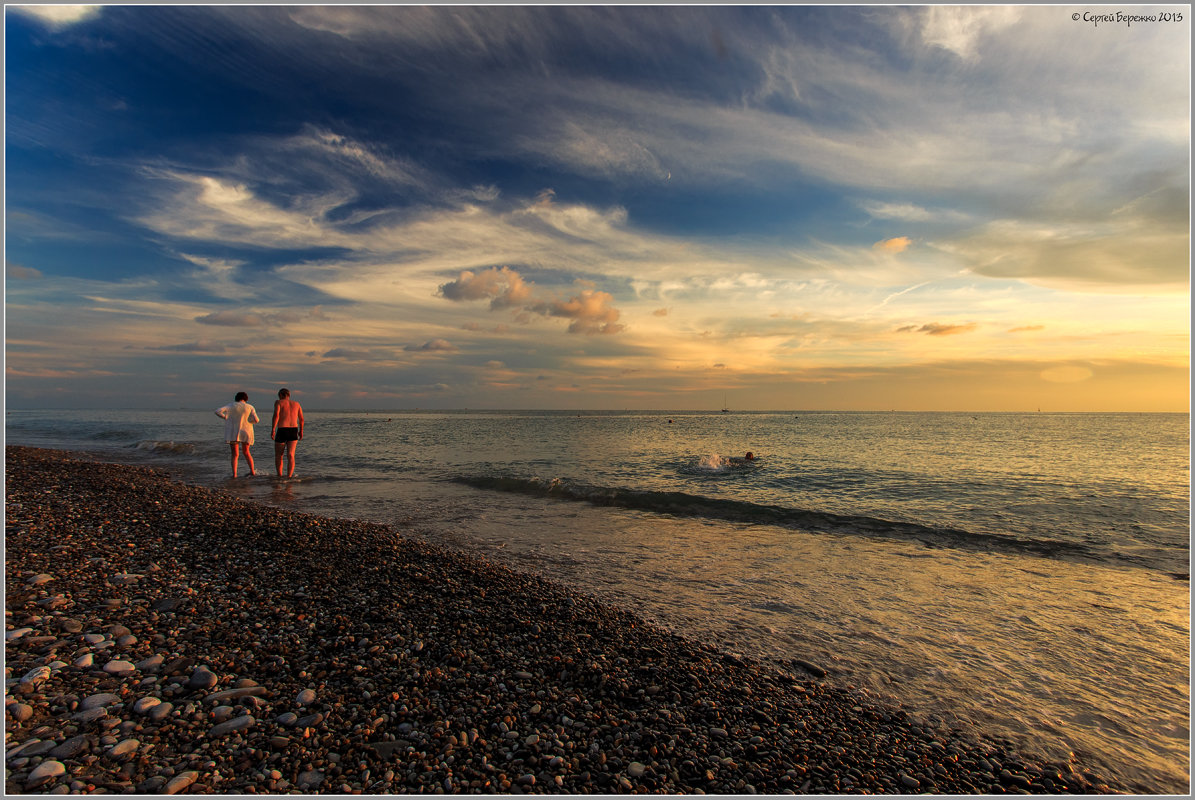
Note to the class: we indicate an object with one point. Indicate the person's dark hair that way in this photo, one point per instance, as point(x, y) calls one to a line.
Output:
point(241, 396)
point(284, 393)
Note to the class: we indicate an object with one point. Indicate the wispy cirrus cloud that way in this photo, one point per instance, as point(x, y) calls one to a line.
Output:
point(350, 354)
point(239, 318)
point(961, 30)
point(19, 273)
point(432, 346)
point(897, 244)
point(939, 329)
point(57, 17)
point(201, 346)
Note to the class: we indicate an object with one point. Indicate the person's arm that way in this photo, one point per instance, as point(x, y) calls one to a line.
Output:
point(300, 410)
point(274, 421)
point(222, 412)
point(253, 415)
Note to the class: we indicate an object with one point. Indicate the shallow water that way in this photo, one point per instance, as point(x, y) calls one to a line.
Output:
point(1016, 571)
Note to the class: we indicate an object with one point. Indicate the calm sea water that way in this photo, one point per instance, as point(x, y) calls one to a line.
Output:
point(1027, 573)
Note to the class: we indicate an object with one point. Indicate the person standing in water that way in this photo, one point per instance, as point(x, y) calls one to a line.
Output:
point(286, 430)
point(238, 429)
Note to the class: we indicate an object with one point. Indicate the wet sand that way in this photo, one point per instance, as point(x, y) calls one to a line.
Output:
point(171, 638)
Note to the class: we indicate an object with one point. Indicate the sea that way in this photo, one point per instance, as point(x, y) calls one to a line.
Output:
point(1024, 575)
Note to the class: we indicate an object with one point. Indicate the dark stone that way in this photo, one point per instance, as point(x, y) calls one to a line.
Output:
point(168, 604)
point(74, 746)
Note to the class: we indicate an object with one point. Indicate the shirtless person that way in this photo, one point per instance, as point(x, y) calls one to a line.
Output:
point(286, 429)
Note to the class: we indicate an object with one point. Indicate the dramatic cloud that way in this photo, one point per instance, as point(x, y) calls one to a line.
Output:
point(777, 198)
point(503, 285)
point(591, 310)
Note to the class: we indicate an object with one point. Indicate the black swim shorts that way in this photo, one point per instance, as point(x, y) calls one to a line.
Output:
point(286, 434)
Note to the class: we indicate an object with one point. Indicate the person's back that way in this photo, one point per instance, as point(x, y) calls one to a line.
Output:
point(286, 429)
point(288, 413)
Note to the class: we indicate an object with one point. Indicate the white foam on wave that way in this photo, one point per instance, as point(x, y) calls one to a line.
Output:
point(166, 447)
point(713, 463)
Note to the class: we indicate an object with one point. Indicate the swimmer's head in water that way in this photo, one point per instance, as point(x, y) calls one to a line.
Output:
point(750, 456)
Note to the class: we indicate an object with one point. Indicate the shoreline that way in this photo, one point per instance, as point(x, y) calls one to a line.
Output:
point(165, 637)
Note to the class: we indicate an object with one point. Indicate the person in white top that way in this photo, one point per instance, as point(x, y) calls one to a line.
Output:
point(238, 429)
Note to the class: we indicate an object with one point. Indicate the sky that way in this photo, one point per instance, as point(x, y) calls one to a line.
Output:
point(971, 208)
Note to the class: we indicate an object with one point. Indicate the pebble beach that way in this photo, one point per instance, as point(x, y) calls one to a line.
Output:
point(166, 638)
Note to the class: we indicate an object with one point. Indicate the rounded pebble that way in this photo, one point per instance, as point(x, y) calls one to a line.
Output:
point(101, 700)
point(125, 750)
point(202, 678)
point(143, 705)
point(180, 782)
point(43, 772)
point(20, 712)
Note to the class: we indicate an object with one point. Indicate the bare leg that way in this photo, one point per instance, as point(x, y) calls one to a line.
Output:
point(279, 449)
point(249, 458)
point(236, 450)
point(290, 452)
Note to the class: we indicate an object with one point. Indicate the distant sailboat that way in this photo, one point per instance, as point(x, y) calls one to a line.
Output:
point(725, 408)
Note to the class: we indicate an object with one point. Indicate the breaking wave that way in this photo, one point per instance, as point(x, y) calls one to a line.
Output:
point(683, 504)
point(166, 447)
